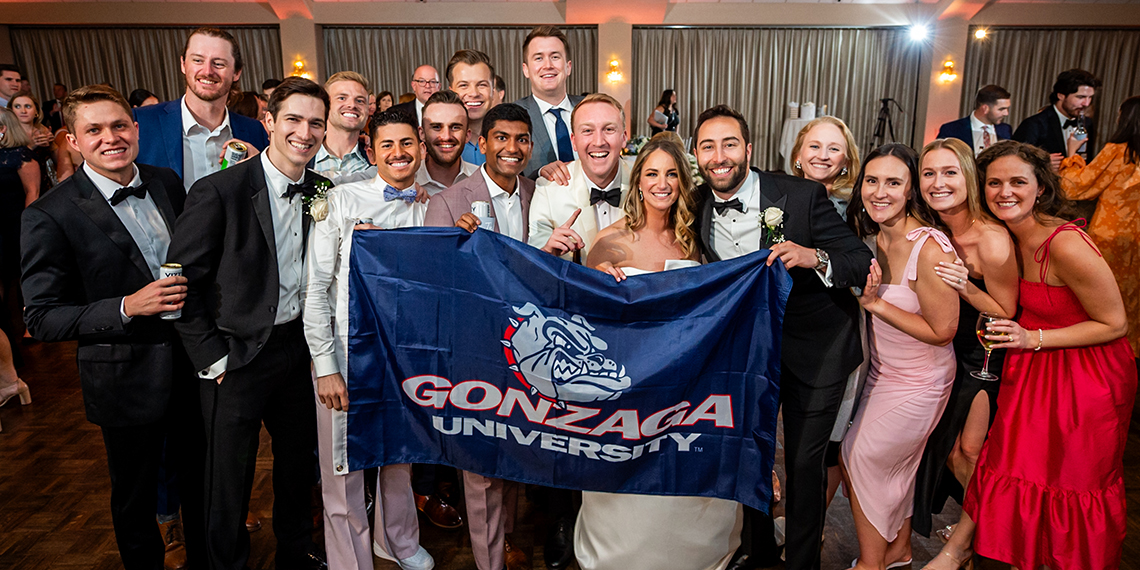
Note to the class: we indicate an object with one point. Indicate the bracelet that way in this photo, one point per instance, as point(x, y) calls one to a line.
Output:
point(1040, 340)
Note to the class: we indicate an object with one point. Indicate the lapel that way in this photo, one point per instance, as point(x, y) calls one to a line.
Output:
point(542, 142)
point(171, 125)
point(771, 196)
point(158, 195)
point(306, 219)
point(477, 191)
point(1055, 132)
point(96, 207)
point(706, 221)
point(579, 197)
point(259, 194)
point(526, 192)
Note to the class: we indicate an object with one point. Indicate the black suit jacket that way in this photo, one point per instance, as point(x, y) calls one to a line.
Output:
point(225, 243)
point(821, 324)
point(1043, 130)
point(78, 263)
point(960, 129)
point(410, 108)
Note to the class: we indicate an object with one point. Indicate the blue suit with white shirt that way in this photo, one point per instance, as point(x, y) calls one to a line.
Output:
point(160, 134)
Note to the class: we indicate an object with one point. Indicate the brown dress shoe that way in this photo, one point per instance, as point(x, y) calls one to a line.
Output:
point(439, 512)
point(514, 558)
point(175, 557)
point(252, 523)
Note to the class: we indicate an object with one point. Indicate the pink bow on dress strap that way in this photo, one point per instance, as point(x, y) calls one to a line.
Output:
point(938, 236)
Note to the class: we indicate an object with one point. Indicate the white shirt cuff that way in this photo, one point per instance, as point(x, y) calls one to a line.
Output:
point(123, 311)
point(216, 369)
point(325, 364)
point(825, 276)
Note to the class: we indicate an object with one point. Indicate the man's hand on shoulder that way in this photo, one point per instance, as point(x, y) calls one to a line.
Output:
point(556, 172)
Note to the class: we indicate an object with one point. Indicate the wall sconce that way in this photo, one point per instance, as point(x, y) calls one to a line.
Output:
point(948, 74)
point(299, 69)
point(615, 75)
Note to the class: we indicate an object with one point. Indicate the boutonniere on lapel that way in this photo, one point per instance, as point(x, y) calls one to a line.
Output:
point(317, 202)
point(772, 226)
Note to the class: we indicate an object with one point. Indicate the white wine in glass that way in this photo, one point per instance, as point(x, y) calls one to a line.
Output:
point(985, 319)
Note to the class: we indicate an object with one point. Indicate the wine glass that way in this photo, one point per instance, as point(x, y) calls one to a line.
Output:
point(983, 320)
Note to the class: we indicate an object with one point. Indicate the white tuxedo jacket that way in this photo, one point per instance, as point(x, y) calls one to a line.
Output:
point(552, 205)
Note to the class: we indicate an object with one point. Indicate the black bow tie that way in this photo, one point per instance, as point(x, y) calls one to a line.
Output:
point(305, 189)
point(612, 196)
point(733, 204)
point(1071, 123)
point(122, 193)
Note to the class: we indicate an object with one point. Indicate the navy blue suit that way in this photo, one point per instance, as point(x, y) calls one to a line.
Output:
point(961, 130)
point(160, 134)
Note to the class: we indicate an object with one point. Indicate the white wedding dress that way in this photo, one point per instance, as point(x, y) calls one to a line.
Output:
point(654, 532)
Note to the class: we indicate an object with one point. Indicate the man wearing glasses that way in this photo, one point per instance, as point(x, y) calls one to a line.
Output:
point(425, 81)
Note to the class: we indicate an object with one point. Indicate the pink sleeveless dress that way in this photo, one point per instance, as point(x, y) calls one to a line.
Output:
point(906, 391)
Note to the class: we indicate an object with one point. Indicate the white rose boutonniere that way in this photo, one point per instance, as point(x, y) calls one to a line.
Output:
point(772, 226)
point(317, 202)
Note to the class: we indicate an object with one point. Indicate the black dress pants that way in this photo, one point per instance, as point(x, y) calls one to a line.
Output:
point(275, 387)
point(133, 455)
point(809, 417)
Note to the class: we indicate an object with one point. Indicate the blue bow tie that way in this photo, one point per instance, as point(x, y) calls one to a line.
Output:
point(408, 196)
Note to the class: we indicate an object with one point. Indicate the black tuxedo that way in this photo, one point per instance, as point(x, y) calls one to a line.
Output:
point(225, 241)
point(820, 347)
point(79, 262)
point(1044, 131)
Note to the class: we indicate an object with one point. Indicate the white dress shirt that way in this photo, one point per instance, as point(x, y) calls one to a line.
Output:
point(604, 213)
point(326, 299)
point(328, 165)
point(289, 240)
point(1067, 132)
point(978, 129)
point(141, 218)
point(201, 147)
point(508, 207)
point(738, 233)
point(424, 179)
point(548, 119)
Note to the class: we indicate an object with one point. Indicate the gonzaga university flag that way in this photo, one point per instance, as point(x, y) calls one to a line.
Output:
point(481, 352)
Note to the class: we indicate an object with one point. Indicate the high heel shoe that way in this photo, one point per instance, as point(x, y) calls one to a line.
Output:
point(965, 563)
point(19, 388)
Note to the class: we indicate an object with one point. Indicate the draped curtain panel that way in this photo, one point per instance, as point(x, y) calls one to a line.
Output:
point(387, 55)
point(1026, 62)
point(757, 71)
point(132, 57)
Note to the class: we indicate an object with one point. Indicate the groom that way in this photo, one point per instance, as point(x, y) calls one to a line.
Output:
point(821, 328)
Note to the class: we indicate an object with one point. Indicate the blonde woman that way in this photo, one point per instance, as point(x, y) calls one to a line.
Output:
point(623, 531)
point(825, 151)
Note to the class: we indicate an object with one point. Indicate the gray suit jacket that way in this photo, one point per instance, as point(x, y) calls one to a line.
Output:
point(447, 206)
point(544, 151)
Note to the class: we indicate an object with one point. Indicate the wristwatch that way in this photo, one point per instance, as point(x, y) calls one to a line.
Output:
point(822, 260)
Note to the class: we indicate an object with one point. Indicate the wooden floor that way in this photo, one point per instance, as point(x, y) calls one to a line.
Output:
point(54, 490)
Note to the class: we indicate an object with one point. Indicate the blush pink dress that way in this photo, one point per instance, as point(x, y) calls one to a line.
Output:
point(906, 391)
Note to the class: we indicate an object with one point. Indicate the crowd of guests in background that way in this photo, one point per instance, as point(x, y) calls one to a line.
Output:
point(952, 330)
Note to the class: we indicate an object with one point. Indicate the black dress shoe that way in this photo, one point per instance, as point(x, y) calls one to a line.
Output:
point(558, 552)
point(312, 560)
point(741, 562)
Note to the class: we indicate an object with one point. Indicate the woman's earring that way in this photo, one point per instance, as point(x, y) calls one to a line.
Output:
point(843, 172)
point(640, 195)
point(798, 167)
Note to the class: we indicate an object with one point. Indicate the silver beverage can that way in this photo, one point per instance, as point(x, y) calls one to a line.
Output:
point(482, 210)
point(235, 153)
point(170, 270)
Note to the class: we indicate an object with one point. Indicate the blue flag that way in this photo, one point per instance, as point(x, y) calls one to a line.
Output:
point(483, 353)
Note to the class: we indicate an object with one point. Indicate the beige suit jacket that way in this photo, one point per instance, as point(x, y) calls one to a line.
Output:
point(552, 205)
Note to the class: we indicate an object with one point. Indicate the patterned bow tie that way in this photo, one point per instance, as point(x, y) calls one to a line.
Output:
point(305, 189)
point(611, 197)
point(733, 204)
point(408, 195)
point(122, 193)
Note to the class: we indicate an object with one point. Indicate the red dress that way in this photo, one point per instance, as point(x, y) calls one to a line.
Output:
point(1049, 487)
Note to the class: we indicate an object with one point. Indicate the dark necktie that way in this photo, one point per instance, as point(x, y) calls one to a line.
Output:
point(1071, 123)
point(122, 193)
point(611, 197)
point(733, 204)
point(306, 188)
point(562, 134)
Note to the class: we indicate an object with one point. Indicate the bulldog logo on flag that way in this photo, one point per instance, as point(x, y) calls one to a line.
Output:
point(483, 353)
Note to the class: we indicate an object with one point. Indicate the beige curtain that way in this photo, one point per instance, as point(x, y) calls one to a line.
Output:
point(759, 70)
point(1026, 62)
point(388, 55)
point(132, 57)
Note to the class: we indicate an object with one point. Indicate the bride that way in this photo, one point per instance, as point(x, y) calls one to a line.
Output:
point(634, 532)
